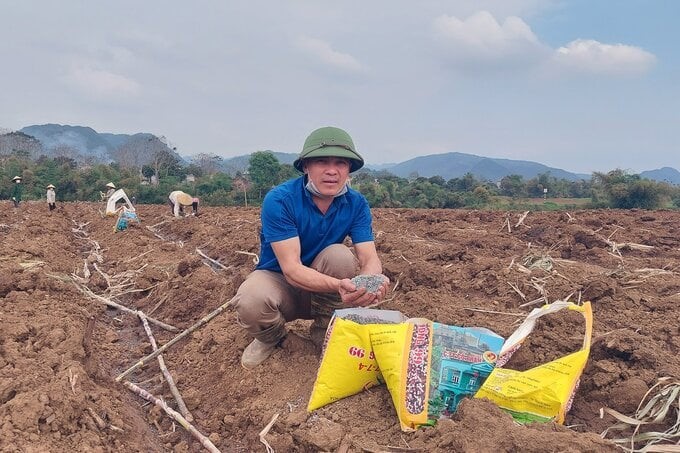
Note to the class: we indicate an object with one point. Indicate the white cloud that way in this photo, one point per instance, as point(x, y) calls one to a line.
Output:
point(480, 40)
point(102, 84)
point(589, 56)
point(324, 53)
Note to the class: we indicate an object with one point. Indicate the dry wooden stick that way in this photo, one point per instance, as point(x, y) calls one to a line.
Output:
point(264, 432)
point(103, 274)
point(160, 350)
point(521, 294)
point(160, 302)
point(138, 256)
point(521, 219)
point(168, 377)
point(256, 258)
point(174, 414)
point(87, 336)
point(215, 262)
point(138, 290)
point(101, 424)
point(88, 292)
point(86, 270)
point(535, 301)
point(494, 312)
point(159, 223)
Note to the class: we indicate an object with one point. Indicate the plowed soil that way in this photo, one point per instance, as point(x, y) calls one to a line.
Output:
point(61, 347)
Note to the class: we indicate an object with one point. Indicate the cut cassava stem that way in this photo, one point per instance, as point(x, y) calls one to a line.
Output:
point(174, 414)
point(168, 377)
point(88, 292)
point(162, 349)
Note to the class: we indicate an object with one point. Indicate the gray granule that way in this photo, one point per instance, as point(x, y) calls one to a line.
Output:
point(368, 281)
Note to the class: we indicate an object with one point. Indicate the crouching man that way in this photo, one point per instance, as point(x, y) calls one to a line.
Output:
point(304, 269)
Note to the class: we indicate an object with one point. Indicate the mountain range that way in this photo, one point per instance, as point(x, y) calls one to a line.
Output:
point(103, 147)
point(85, 144)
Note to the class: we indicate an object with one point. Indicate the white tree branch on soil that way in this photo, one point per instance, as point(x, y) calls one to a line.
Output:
point(168, 377)
point(88, 292)
point(264, 432)
point(175, 415)
point(479, 310)
point(160, 350)
point(215, 262)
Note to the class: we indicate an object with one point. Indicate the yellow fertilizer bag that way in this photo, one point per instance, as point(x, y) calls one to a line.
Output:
point(543, 393)
point(430, 367)
point(348, 364)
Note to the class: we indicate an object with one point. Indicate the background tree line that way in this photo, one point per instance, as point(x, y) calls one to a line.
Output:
point(151, 180)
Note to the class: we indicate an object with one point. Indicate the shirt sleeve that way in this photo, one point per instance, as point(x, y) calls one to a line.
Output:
point(278, 218)
point(362, 228)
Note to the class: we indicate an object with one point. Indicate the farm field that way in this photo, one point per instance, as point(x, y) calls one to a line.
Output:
point(61, 348)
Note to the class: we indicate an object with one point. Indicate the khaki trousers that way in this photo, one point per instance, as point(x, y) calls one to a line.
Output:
point(265, 301)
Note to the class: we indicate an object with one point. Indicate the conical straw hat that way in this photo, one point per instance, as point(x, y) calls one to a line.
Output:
point(184, 199)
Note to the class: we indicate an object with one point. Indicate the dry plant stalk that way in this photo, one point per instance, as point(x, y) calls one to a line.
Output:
point(666, 401)
point(215, 262)
point(534, 302)
point(479, 310)
point(517, 290)
point(162, 349)
point(88, 292)
point(72, 378)
point(101, 424)
point(175, 415)
point(168, 377)
point(256, 258)
point(506, 223)
point(521, 219)
point(264, 432)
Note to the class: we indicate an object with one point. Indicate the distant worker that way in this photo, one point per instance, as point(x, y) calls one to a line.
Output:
point(17, 190)
point(51, 197)
point(111, 189)
point(194, 206)
point(178, 200)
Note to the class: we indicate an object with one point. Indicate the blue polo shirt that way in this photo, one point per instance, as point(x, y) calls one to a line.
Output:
point(289, 211)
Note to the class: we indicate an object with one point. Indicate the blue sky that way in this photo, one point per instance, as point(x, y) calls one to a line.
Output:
point(579, 85)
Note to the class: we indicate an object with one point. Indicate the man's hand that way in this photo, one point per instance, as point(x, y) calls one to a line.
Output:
point(353, 296)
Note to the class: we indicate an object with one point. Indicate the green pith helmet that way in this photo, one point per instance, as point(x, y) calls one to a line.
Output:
point(330, 142)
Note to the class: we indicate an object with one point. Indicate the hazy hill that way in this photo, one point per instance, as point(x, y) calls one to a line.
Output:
point(455, 165)
point(665, 174)
point(84, 140)
point(84, 143)
point(449, 165)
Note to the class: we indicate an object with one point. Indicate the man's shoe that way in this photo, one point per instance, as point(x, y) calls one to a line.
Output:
point(256, 353)
point(317, 331)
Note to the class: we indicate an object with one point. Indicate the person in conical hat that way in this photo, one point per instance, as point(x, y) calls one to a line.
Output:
point(178, 200)
point(51, 197)
point(305, 269)
point(111, 189)
point(17, 190)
